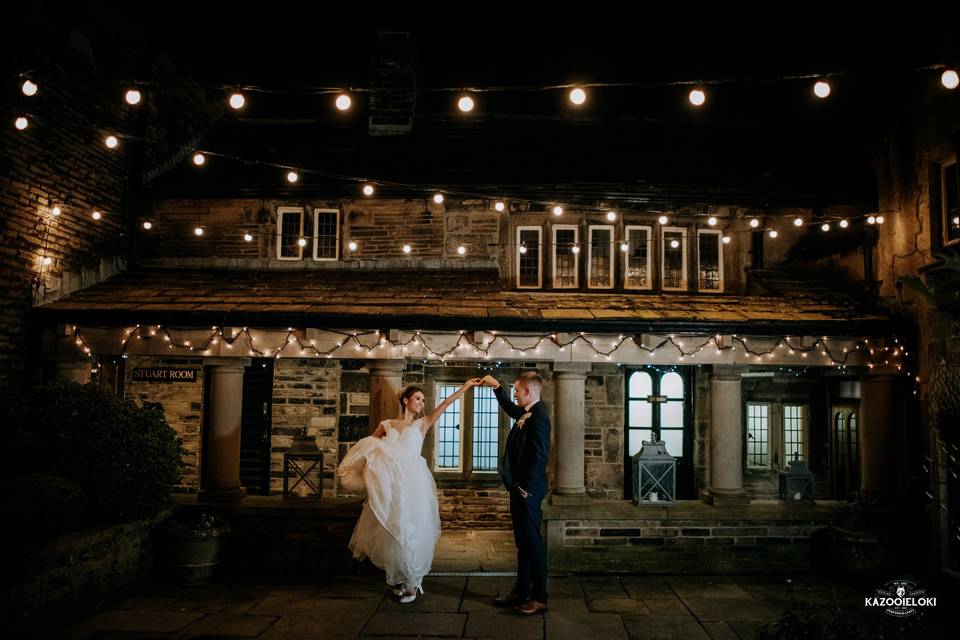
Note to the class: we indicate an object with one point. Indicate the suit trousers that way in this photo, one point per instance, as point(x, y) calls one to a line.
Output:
point(526, 514)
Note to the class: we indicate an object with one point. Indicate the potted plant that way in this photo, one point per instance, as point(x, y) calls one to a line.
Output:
point(194, 544)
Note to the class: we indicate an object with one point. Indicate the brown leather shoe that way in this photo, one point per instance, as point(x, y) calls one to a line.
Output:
point(531, 607)
point(512, 599)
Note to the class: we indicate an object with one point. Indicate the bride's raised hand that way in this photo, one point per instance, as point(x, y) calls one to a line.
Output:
point(472, 382)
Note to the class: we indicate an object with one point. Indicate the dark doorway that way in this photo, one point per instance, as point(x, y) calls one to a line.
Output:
point(660, 400)
point(255, 426)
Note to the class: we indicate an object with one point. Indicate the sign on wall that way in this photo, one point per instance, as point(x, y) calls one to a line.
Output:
point(164, 374)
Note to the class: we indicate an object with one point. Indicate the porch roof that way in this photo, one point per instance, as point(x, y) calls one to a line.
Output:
point(447, 299)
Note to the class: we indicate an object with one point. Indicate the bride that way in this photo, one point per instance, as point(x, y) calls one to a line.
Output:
point(399, 526)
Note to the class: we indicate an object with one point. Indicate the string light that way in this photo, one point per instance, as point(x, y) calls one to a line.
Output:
point(821, 89)
point(438, 198)
point(879, 219)
point(96, 215)
point(499, 205)
point(754, 223)
point(111, 142)
point(825, 226)
point(663, 220)
point(871, 219)
point(29, 88)
point(712, 221)
point(557, 210)
point(625, 247)
point(21, 123)
point(950, 79)
point(55, 211)
point(407, 248)
point(199, 159)
point(697, 97)
point(575, 249)
point(772, 233)
point(198, 231)
point(465, 104)
point(578, 96)
point(844, 224)
point(611, 215)
point(726, 239)
point(132, 96)
point(462, 250)
point(352, 245)
point(798, 221)
point(247, 237)
point(343, 102)
point(368, 189)
point(302, 242)
point(292, 177)
point(147, 225)
point(237, 101)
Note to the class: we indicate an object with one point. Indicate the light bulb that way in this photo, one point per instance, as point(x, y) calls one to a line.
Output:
point(352, 246)
point(247, 237)
point(950, 79)
point(465, 104)
point(147, 225)
point(199, 159)
point(462, 250)
point(674, 243)
point(47, 260)
point(132, 96)
point(558, 210)
point(523, 248)
point(438, 198)
point(29, 87)
point(292, 177)
point(611, 215)
point(407, 248)
point(575, 249)
point(754, 223)
point(663, 220)
point(712, 221)
point(96, 215)
point(798, 221)
point(871, 219)
point(773, 233)
point(237, 101)
point(825, 226)
point(499, 205)
point(578, 96)
point(302, 242)
point(56, 210)
point(821, 89)
point(198, 231)
point(879, 219)
point(624, 247)
point(21, 123)
point(343, 102)
point(697, 97)
point(726, 239)
point(111, 142)
point(368, 189)
point(844, 224)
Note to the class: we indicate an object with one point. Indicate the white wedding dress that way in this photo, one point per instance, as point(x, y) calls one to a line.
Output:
point(399, 526)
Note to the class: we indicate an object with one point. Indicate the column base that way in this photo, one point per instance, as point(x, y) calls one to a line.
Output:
point(570, 491)
point(726, 499)
point(220, 496)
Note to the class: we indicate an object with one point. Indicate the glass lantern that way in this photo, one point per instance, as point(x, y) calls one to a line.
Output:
point(796, 484)
point(654, 475)
point(303, 462)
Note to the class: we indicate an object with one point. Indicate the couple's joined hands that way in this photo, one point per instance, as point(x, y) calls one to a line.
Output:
point(485, 381)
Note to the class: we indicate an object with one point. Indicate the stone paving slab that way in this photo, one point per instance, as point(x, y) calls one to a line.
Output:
point(279, 602)
point(617, 605)
point(440, 595)
point(648, 588)
point(146, 621)
point(220, 599)
point(230, 624)
point(706, 587)
point(563, 625)
point(415, 624)
point(315, 626)
point(651, 628)
point(721, 609)
point(505, 625)
point(481, 590)
point(720, 631)
point(603, 587)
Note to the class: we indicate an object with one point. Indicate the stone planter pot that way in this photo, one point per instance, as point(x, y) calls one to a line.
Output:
point(193, 555)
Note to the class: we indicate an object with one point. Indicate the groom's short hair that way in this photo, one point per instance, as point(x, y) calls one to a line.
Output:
point(530, 379)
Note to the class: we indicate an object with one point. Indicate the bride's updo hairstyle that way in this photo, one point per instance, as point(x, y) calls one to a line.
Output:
point(405, 393)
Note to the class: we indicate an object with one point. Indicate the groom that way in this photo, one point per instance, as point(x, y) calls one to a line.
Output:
point(524, 472)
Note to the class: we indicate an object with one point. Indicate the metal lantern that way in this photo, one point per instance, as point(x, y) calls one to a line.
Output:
point(303, 462)
point(654, 475)
point(796, 484)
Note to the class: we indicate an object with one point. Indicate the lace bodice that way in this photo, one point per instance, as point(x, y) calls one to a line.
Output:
point(403, 437)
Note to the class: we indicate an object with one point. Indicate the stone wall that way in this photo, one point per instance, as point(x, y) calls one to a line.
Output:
point(603, 431)
point(182, 407)
point(691, 536)
point(76, 574)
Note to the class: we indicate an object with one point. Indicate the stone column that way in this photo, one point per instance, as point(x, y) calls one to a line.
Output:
point(726, 437)
point(222, 482)
point(386, 380)
point(73, 370)
point(569, 411)
point(876, 426)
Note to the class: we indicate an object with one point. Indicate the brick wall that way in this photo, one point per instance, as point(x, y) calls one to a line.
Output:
point(182, 407)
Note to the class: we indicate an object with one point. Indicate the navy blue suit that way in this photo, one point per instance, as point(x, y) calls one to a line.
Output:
point(524, 466)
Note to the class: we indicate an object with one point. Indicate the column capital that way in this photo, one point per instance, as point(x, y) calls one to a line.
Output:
point(581, 368)
point(227, 362)
point(727, 372)
point(386, 366)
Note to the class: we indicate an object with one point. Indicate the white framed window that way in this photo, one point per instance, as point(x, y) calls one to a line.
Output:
point(794, 433)
point(758, 432)
point(566, 261)
point(471, 424)
point(709, 260)
point(673, 259)
point(638, 259)
point(950, 201)
point(600, 259)
point(289, 233)
point(529, 257)
point(326, 234)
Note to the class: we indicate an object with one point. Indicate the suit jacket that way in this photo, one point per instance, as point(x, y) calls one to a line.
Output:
point(524, 461)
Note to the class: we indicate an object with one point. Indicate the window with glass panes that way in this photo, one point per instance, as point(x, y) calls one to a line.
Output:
point(289, 233)
point(950, 202)
point(758, 417)
point(326, 234)
point(600, 265)
point(471, 426)
point(529, 257)
point(564, 258)
point(709, 261)
point(674, 263)
point(637, 258)
point(793, 437)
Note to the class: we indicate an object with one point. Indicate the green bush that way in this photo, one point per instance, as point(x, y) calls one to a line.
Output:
point(125, 457)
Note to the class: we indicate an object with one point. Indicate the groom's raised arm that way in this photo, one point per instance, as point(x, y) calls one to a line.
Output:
point(506, 404)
